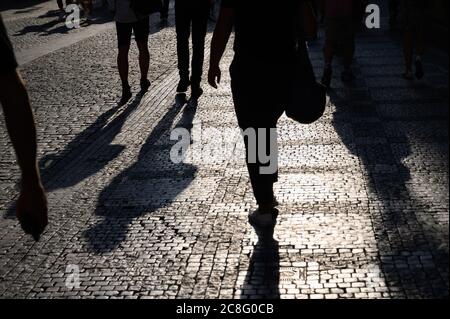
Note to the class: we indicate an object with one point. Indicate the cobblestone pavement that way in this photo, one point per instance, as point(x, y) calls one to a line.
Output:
point(363, 192)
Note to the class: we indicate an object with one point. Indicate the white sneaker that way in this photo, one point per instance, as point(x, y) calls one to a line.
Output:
point(266, 218)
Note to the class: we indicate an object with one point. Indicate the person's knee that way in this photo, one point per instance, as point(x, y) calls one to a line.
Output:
point(123, 51)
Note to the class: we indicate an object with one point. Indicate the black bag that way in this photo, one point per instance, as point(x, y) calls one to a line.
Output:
point(306, 98)
point(146, 7)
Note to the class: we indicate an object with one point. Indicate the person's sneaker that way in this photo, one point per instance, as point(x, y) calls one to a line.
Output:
point(326, 78)
point(126, 95)
point(408, 75)
point(196, 93)
point(347, 75)
point(263, 217)
point(145, 85)
point(419, 70)
point(183, 86)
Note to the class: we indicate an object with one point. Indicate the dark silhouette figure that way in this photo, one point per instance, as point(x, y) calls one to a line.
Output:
point(134, 187)
point(191, 13)
point(129, 22)
point(260, 73)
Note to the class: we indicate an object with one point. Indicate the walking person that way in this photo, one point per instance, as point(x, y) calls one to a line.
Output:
point(260, 75)
point(195, 14)
point(414, 19)
point(127, 22)
point(341, 17)
point(32, 203)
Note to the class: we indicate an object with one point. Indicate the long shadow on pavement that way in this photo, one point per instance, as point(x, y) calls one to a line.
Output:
point(263, 274)
point(69, 161)
point(413, 256)
point(141, 188)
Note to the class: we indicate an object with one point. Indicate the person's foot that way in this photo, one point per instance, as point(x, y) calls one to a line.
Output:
point(419, 70)
point(183, 86)
point(196, 92)
point(126, 95)
point(407, 75)
point(326, 78)
point(145, 85)
point(263, 217)
point(347, 76)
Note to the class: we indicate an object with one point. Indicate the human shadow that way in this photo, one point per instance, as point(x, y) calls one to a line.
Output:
point(263, 273)
point(412, 254)
point(71, 160)
point(151, 183)
point(58, 25)
point(18, 5)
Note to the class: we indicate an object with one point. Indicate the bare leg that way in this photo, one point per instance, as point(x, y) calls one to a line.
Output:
point(122, 63)
point(144, 59)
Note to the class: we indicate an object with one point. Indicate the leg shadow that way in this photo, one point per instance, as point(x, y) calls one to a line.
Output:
point(263, 274)
point(153, 182)
point(413, 256)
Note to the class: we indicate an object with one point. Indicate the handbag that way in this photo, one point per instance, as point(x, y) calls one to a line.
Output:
point(146, 7)
point(306, 99)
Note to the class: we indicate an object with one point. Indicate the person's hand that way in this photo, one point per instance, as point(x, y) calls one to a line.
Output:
point(32, 209)
point(214, 75)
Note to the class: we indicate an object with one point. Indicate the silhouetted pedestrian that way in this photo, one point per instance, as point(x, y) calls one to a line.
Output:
point(191, 13)
point(32, 202)
point(340, 17)
point(127, 22)
point(265, 52)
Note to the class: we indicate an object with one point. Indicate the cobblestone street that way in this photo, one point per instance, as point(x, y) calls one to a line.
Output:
point(364, 204)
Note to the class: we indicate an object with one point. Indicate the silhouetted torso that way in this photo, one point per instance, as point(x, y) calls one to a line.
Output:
point(264, 30)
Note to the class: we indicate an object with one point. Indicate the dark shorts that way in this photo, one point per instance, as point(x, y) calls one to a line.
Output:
point(124, 31)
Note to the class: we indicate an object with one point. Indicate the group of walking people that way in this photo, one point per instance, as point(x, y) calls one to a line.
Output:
point(265, 46)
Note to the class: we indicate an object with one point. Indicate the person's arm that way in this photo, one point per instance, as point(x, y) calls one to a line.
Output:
point(32, 203)
point(219, 43)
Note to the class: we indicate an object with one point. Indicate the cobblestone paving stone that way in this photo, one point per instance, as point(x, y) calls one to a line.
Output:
point(363, 192)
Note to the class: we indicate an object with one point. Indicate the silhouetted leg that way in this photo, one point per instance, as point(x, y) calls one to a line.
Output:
point(141, 32)
point(199, 28)
point(60, 4)
point(124, 31)
point(255, 110)
point(183, 29)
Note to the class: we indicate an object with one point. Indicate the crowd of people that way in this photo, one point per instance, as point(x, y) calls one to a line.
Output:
point(265, 41)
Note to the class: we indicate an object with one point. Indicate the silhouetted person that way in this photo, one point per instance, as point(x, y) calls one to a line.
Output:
point(191, 13)
point(340, 28)
point(127, 22)
point(413, 15)
point(32, 202)
point(265, 48)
